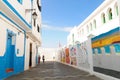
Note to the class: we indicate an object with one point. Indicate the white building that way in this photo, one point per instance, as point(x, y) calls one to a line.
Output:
point(20, 34)
point(104, 19)
point(49, 53)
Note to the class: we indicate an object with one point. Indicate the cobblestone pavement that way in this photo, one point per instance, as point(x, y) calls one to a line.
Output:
point(53, 71)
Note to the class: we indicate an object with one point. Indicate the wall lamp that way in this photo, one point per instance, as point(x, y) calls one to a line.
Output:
point(34, 14)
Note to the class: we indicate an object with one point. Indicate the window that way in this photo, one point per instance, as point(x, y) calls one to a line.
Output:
point(103, 18)
point(82, 31)
point(116, 9)
point(117, 47)
point(99, 50)
point(87, 28)
point(20, 1)
point(91, 26)
point(38, 4)
point(94, 23)
point(107, 49)
point(93, 50)
point(117, 12)
point(38, 29)
point(110, 14)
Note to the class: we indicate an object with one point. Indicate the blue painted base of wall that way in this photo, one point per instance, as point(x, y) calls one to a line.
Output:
point(18, 66)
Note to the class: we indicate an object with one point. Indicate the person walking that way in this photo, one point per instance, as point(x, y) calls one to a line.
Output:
point(39, 59)
point(43, 58)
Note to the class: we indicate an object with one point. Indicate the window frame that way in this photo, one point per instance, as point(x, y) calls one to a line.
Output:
point(20, 1)
point(107, 49)
point(110, 14)
point(103, 18)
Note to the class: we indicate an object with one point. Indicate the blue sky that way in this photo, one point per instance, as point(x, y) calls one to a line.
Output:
point(60, 16)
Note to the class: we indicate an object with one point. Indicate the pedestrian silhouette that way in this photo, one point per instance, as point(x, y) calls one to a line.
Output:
point(39, 59)
point(43, 58)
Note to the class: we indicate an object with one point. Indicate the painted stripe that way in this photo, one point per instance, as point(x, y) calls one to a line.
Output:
point(15, 11)
point(106, 34)
point(10, 20)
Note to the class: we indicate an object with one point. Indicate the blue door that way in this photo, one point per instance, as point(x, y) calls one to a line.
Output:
point(9, 54)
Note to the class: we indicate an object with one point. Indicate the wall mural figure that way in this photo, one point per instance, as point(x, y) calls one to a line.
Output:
point(73, 55)
point(82, 55)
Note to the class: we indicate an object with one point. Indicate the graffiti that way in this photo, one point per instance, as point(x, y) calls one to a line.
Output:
point(73, 51)
point(67, 55)
point(106, 40)
point(73, 55)
point(82, 53)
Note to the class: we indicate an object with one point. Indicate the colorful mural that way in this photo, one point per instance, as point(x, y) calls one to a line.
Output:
point(111, 38)
point(63, 55)
point(81, 53)
point(67, 55)
point(73, 55)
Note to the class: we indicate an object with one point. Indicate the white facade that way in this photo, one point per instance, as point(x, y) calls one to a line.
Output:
point(49, 53)
point(95, 19)
point(105, 18)
point(20, 35)
point(33, 37)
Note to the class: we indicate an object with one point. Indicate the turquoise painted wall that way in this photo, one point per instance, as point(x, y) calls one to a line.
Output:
point(18, 66)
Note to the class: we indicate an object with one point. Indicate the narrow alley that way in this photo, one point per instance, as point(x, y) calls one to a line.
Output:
point(53, 71)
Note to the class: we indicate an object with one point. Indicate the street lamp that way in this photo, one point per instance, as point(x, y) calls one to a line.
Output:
point(34, 15)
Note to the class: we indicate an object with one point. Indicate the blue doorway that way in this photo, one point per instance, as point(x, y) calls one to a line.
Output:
point(10, 49)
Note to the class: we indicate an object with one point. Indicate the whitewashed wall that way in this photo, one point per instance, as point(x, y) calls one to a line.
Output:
point(19, 38)
point(100, 27)
point(27, 55)
point(49, 53)
point(99, 60)
point(21, 7)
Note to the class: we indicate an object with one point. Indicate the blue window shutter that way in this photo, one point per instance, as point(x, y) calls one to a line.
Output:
point(20, 1)
point(117, 47)
point(107, 49)
point(99, 50)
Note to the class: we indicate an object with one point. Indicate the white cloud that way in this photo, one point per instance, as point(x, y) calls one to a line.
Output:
point(48, 27)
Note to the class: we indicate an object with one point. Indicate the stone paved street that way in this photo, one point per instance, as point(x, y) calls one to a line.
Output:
point(53, 71)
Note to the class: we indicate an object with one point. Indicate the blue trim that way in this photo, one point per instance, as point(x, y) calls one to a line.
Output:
point(17, 60)
point(107, 49)
point(14, 10)
point(99, 50)
point(117, 47)
point(20, 1)
point(24, 45)
point(10, 50)
point(106, 34)
point(93, 50)
point(10, 20)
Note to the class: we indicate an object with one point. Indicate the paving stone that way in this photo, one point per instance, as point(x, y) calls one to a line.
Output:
point(53, 71)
